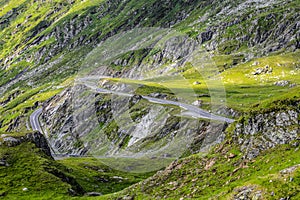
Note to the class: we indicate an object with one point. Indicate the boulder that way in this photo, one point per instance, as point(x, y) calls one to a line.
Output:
point(197, 103)
point(196, 83)
point(282, 83)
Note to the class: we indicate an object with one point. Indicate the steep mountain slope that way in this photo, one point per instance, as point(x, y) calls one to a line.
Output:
point(235, 59)
point(24, 166)
point(59, 34)
point(259, 159)
point(29, 172)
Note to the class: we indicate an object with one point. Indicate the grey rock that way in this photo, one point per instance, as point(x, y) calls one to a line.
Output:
point(205, 36)
point(197, 103)
point(93, 194)
point(282, 83)
point(290, 169)
point(243, 193)
point(265, 70)
point(158, 95)
point(265, 131)
point(3, 163)
point(40, 141)
point(11, 141)
point(37, 138)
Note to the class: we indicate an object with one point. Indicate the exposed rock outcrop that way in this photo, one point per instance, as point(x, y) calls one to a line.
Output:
point(125, 127)
point(261, 131)
point(36, 138)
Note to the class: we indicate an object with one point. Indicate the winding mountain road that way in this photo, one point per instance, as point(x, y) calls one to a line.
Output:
point(34, 120)
point(36, 126)
point(194, 111)
point(191, 110)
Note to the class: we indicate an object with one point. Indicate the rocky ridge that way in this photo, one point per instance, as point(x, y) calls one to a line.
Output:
point(61, 39)
point(36, 138)
point(262, 131)
point(140, 133)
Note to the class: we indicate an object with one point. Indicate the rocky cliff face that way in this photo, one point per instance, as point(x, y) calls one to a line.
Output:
point(261, 131)
point(259, 25)
point(262, 27)
point(249, 164)
point(36, 138)
point(51, 49)
point(79, 121)
point(106, 127)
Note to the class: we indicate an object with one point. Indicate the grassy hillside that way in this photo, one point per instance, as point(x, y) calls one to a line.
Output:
point(28, 173)
point(59, 34)
point(226, 172)
point(252, 48)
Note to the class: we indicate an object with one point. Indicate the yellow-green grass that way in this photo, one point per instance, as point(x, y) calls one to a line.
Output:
point(284, 67)
point(215, 176)
point(243, 89)
point(9, 5)
point(97, 175)
point(136, 165)
point(27, 100)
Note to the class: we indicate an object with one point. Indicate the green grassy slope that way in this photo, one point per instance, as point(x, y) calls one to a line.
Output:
point(28, 173)
point(244, 90)
point(225, 172)
point(222, 174)
point(64, 32)
point(54, 37)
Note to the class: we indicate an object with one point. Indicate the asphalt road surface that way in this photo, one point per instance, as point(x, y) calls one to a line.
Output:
point(34, 120)
point(193, 111)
